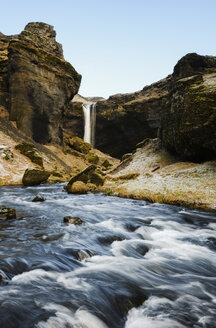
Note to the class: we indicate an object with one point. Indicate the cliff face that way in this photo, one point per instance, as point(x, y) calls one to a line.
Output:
point(36, 83)
point(124, 120)
point(188, 123)
point(179, 109)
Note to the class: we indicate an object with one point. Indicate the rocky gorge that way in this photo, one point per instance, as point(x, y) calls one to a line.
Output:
point(116, 235)
point(161, 133)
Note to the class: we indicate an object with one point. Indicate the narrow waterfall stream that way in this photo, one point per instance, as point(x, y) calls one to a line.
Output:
point(89, 111)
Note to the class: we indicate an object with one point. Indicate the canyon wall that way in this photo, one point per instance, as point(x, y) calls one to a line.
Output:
point(180, 110)
point(36, 83)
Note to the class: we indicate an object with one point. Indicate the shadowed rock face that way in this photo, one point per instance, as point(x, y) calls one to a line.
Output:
point(180, 109)
point(124, 120)
point(36, 83)
point(189, 122)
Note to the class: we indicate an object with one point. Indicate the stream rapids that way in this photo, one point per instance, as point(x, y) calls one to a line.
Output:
point(131, 264)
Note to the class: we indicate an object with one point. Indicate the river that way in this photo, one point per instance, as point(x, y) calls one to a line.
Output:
point(130, 264)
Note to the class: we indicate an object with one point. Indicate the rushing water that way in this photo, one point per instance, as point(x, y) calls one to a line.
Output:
point(130, 264)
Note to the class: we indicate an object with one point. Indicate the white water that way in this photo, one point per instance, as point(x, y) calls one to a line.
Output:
point(151, 265)
point(89, 112)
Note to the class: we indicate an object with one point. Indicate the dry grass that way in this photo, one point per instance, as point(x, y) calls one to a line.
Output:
point(180, 183)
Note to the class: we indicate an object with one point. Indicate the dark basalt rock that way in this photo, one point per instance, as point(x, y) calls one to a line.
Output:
point(72, 220)
point(124, 120)
point(83, 254)
point(33, 177)
point(180, 110)
point(38, 198)
point(188, 123)
point(109, 239)
point(83, 175)
point(7, 213)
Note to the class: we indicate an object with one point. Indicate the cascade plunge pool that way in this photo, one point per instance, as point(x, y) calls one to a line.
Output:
point(130, 264)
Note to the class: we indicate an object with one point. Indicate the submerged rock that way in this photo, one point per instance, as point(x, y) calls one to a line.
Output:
point(83, 254)
point(7, 212)
point(33, 177)
point(109, 239)
point(38, 198)
point(72, 220)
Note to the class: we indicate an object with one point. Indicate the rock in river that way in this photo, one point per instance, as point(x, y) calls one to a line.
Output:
point(33, 177)
point(38, 198)
point(72, 220)
point(7, 213)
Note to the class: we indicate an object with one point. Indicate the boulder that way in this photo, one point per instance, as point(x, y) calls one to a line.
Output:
point(30, 151)
point(72, 220)
point(86, 180)
point(38, 198)
point(78, 187)
point(83, 255)
point(79, 145)
point(33, 177)
point(92, 158)
point(106, 164)
point(83, 175)
point(7, 213)
point(96, 179)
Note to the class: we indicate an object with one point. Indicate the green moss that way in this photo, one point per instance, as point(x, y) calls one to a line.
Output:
point(83, 175)
point(79, 145)
point(45, 57)
point(92, 158)
point(28, 149)
point(33, 177)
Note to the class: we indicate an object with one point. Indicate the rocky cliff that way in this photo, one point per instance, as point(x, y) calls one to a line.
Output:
point(179, 109)
point(189, 121)
point(36, 83)
point(124, 120)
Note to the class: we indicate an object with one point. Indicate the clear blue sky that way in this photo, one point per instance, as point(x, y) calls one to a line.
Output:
point(120, 45)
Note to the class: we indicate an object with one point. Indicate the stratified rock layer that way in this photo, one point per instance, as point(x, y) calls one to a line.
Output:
point(36, 83)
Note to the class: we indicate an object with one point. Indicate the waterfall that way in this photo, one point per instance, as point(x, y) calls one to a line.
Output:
point(89, 111)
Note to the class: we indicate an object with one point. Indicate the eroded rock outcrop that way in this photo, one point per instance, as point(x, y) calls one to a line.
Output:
point(188, 123)
point(36, 83)
point(179, 109)
point(124, 120)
